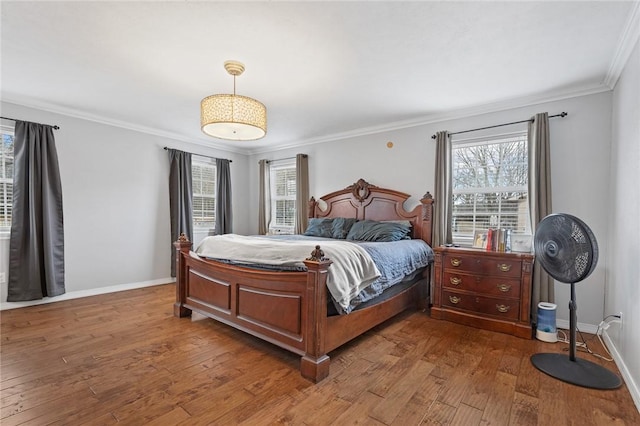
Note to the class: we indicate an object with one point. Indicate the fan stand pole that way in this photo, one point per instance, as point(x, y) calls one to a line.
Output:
point(574, 370)
point(573, 323)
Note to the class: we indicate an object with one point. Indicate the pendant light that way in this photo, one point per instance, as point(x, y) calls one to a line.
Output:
point(233, 117)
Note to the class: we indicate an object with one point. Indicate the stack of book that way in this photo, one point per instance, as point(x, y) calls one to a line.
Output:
point(498, 240)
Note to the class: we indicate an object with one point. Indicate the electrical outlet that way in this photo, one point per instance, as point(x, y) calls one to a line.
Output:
point(3, 277)
point(620, 319)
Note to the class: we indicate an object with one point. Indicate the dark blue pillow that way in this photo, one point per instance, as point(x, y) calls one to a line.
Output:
point(319, 228)
point(341, 227)
point(371, 230)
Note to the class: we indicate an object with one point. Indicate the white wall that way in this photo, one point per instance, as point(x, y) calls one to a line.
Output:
point(116, 203)
point(623, 274)
point(580, 172)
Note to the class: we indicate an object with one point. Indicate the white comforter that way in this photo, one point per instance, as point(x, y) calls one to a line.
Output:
point(352, 269)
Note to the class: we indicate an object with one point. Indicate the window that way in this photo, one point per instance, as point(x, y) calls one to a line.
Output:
point(203, 172)
point(6, 177)
point(282, 178)
point(490, 186)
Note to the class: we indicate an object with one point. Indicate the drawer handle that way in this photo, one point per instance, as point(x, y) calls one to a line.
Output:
point(455, 300)
point(503, 308)
point(456, 262)
point(504, 267)
point(504, 287)
point(455, 280)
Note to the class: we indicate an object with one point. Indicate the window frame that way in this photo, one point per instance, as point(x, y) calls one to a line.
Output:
point(7, 204)
point(274, 226)
point(200, 161)
point(521, 216)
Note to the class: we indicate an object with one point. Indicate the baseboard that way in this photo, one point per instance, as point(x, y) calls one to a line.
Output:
point(626, 375)
point(85, 293)
point(587, 328)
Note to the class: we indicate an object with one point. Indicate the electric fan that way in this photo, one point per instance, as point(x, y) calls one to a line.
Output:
point(567, 249)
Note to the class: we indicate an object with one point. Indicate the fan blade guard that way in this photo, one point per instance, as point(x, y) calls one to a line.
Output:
point(565, 247)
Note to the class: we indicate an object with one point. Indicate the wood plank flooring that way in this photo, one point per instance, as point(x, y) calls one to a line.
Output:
point(123, 358)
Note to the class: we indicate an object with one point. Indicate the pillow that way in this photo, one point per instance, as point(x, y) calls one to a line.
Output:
point(401, 222)
point(371, 230)
point(319, 228)
point(341, 227)
point(406, 223)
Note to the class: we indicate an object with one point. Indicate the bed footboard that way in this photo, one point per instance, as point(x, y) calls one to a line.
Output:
point(288, 309)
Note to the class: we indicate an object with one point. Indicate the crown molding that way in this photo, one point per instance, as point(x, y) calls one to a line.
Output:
point(627, 41)
point(492, 107)
point(70, 112)
point(502, 105)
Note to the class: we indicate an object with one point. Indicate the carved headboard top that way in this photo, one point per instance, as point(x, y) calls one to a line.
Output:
point(363, 200)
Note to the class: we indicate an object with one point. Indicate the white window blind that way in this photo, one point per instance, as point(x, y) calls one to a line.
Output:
point(203, 172)
point(490, 186)
point(6, 177)
point(283, 196)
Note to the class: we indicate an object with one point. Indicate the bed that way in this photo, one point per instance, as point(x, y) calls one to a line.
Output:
point(291, 309)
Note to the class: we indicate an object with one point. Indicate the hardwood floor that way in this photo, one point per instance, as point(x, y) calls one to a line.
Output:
point(124, 358)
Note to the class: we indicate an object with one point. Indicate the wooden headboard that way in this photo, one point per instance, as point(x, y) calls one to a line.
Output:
point(365, 201)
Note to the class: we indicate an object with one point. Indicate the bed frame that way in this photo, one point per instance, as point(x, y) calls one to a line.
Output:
point(289, 309)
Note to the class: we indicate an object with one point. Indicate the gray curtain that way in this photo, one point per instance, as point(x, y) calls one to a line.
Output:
point(224, 214)
point(264, 210)
point(36, 247)
point(180, 199)
point(302, 193)
point(442, 191)
point(539, 201)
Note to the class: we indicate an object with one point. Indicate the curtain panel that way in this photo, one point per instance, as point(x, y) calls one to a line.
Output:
point(36, 246)
point(180, 199)
point(443, 191)
point(539, 201)
point(224, 213)
point(264, 207)
point(302, 193)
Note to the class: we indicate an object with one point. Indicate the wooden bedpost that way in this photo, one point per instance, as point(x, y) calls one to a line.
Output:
point(426, 234)
point(311, 208)
point(183, 245)
point(427, 217)
point(314, 364)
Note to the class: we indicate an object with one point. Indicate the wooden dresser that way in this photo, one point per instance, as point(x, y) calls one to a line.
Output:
point(484, 289)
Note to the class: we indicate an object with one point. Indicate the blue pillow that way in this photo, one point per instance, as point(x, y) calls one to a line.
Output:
point(341, 227)
point(371, 230)
point(319, 228)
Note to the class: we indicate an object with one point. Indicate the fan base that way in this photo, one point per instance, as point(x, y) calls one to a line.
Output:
point(579, 372)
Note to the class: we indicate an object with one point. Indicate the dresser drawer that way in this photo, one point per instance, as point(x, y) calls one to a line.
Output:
point(507, 309)
point(492, 286)
point(503, 267)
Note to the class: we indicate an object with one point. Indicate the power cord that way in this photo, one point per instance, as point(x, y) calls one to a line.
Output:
point(583, 347)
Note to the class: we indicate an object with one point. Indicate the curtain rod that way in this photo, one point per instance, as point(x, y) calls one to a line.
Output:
point(562, 114)
point(201, 155)
point(287, 158)
point(13, 119)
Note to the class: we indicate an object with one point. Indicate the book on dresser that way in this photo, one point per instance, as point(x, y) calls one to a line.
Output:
point(484, 289)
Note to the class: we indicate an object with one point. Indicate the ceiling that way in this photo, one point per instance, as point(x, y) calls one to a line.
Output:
point(324, 70)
